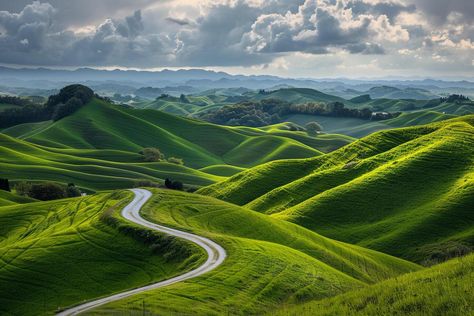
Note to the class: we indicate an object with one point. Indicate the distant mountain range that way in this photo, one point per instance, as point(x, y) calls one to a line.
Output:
point(197, 80)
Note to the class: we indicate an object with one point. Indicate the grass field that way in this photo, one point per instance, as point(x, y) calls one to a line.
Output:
point(359, 128)
point(270, 262)
point(8, 198)
point(407, 192)
point(55, 254)
point(445, 289)
point(98, 148)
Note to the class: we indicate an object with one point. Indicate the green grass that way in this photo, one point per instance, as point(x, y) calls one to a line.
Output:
point(90, 169)
point(270, 262)
point(97, 148)
point(359, 128)
point(103, 126)
point(445, 289)
point(402, 191)
point(8, 198)
point(60, 253)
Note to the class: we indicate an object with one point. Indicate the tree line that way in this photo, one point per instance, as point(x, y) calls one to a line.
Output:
point(271, 111)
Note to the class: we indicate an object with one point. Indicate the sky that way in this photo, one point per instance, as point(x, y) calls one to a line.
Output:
point(306, 38)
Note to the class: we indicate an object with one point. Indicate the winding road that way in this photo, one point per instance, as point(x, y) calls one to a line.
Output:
point(216, 254)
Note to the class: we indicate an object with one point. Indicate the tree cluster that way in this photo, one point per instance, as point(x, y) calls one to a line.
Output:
point(270, 111)
point(46, 191)
point(14, 100)
point(151, 154)
point(67, 101)
point(454, 98)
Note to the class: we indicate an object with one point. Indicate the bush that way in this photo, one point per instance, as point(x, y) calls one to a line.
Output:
point(313, 127)
point(173, 185)
point(4, 185)
point(175, 160)
point(47, 191)
point(72, 190)
point(152, 154)
point(23, 188)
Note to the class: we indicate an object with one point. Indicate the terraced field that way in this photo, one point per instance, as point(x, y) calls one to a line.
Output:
point(407, 192)
point(56, 254)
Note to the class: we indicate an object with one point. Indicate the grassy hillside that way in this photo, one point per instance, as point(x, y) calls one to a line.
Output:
point(8, 198)
point(359, 128)
point(56, 254)
point(98, 148)
point(270, 262)
point(90, 169)
point(445, 289)
point(406, 192)
point(103, 126)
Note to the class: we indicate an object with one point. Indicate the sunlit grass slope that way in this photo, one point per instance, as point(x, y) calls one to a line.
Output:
point(445, 289)
point(8, 198)
point(408, 192)
point(99, 125)
point(57, 254)
point(270, 262)
point(90, 169)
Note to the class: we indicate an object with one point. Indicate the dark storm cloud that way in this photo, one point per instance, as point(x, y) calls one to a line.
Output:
point(227, 33)
point(438, 11)
point(81, 12)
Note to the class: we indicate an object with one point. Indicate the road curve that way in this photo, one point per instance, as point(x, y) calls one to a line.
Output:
point(216, 254)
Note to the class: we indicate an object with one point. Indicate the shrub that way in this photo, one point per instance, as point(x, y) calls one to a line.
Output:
point(72, 190)
point(47, 191)
point(151, 154)
point(173, 185)
point(4, 185)
point(175, 160)
point(313, 127)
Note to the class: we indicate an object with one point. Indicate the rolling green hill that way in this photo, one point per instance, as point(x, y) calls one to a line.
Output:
point(356, 127)
point(407, 192)
point(98, 148)
point(103, 126)
point(56, 254)
point(270, 262)
point(445, 289)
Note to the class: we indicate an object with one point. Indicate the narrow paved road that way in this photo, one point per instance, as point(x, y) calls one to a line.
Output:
point(216, 254)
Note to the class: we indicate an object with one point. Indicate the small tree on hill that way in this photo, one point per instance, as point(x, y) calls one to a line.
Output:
point(151, 154)
point(313, 127)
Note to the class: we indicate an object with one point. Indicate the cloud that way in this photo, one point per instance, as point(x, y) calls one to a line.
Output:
point(263, 34)
point(320, 26)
